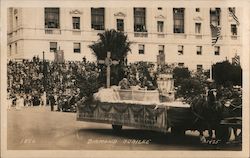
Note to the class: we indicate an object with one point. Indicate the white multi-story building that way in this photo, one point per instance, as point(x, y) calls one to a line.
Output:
point(183, 35)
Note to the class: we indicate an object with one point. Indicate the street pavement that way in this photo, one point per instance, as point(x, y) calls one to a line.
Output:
point(38, 128)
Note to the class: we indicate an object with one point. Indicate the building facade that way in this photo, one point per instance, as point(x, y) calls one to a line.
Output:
point(179, 35)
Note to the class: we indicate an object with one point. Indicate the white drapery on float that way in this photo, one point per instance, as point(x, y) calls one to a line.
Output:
point(133, 107)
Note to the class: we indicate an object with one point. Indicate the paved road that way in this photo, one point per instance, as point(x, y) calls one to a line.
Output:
point(37, 128)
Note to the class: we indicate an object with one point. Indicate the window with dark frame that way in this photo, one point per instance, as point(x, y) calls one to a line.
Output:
point(197, 9)
point(10, 49)
point(140, 20)
point(181, 64)
point(161, 49)
point(232, 9)
point(199, 68)
point(199, 50)
point(52, 18)
point(215, 16)
point(76, 23)
point(160, 26)
point(97, 18)
point(180, 49)
point(216, 50)
point(234, 29)
point(141, 48)
point(197, 28)
point(16, 48)
point(178, 14)
point(159, 8)
point(53, 46)
point(77, 47)
point(120, 24)
point(16, 21)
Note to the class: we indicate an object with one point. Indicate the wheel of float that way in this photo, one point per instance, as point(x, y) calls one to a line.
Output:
point(117, 128)
point(223, 133)
point(177, 131)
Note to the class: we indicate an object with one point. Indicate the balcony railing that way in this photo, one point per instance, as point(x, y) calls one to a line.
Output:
point(141, 34)
point(76, 32)
point(52, 31)
point(198, 36)
point(160, 35)
point(234, 37)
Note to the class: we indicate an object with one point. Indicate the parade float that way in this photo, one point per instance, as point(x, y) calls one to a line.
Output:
point(156, 110)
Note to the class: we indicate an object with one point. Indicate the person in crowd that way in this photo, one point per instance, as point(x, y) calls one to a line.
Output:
point(51, 101)
point(124, 84)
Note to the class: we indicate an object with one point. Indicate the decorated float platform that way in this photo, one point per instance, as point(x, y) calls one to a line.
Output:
point(134, 107)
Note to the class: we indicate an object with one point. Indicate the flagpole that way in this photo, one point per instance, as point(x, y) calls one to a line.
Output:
point(211, 71)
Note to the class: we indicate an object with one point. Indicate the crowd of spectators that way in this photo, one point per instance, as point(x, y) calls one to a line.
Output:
point(41, 82)
point(30, 79)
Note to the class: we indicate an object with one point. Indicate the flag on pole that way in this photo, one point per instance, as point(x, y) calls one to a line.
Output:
point(236, 60)
point(231, 12)
point(216, 31)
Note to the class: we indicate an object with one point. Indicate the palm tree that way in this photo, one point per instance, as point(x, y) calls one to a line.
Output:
point(117, 43)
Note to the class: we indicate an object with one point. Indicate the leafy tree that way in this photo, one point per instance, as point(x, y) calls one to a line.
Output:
point(179, 74)
point(117, 43)
point(227, 74)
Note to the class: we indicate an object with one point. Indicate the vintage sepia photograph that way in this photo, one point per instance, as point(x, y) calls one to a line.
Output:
point(95, 77)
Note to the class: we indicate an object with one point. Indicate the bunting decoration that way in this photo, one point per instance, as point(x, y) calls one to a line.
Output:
point(231, 12)
point(216, 32)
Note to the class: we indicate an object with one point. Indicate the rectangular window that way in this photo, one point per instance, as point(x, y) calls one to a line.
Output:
point(199, 50)
point(197, 28)
point(76, 22)
point(52, 18)
point(180, 49)
point(215, 16)
point(10, 49)
point(140, 20)
point(16, 48)
point(97, 18)
point(141, 49)
point(16, 21)
point(197, 9)
point(77, 47)
point(216, 50)
point(199, 68)
point(161, 49)
point(160, 26)
point(159, 8)
point(181, 64)
point(178, 20)
point(233, 29)
point(232, 9)
point(120, 24)
point(53, 46)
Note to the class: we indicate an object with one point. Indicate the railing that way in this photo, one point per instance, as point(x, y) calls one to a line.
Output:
point(180, 35)
point(76, 32)
point(140, 34)
point(234, 37)
point(198, 36)
point(52, 31)
point(160, 35)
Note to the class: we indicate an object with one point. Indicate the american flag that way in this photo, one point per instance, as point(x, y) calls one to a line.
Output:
point(216, 31)
point(236, 60)
point(231, 12)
